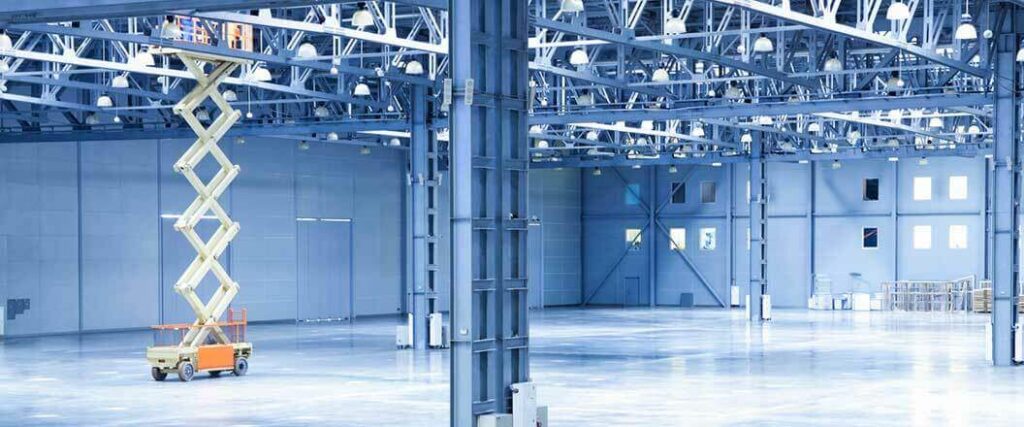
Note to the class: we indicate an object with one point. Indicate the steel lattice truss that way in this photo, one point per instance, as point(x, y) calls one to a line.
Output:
point(618, 82)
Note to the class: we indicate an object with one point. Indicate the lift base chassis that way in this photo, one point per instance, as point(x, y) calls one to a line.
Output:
point(186, 361)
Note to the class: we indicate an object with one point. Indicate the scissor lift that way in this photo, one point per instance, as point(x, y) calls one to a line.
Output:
point(204, 345)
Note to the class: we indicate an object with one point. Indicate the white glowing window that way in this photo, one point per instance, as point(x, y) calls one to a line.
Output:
point(958, 188)
point(677, 239)
point(922, 237)
point(708, 239)
point(922, 188)
point(958, 237)
point(634, 238)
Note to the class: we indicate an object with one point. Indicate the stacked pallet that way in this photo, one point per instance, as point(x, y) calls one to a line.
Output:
point(982, 299)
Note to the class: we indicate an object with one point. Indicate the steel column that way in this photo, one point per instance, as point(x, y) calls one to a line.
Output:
point(1005, 285)
point(489, 159)
point(418, 178)
point(758, 227)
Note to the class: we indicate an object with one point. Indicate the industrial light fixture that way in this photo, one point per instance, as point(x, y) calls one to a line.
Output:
point(332, 136)
point(230, 96)
point(1020, 53)
point(853, 136)
point(675, 25)
point(540, 143)
point(813, 127)
point(894, 83)
point(660, 76)
point(4, 66)
point(361, 89)
point(169, 29)
point(321, 112)
point(898, 11)
point(673, 169)
point(362, 17)
point(414, 68)
point(585, 99)
point(833, 65)
point(763, 44)
point(647, 125)
point(260, 74)
point(92, 119)
point(265, 14)
point(966, 30)
point(803, 161)
point(597, 171)
point(395, 142)
point(143, 59)
point(303, 145)
point(936, 122)
point(974, 130)
point(894, 159)
point(202, 115)
point(306, 51)
point(836, 164)
point(117, 119)
point(119, 82)
point(104, 101)
point(765, 120)
point(641, 140)
point(733, 91)
point(592, 135)
point(5, 41)
point(697, 131)
point(746, 138)
point(579, 57)
point(572, 6)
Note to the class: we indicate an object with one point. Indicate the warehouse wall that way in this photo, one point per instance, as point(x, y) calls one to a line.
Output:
point(554, 250)
point(108, 208)
point(810, 206)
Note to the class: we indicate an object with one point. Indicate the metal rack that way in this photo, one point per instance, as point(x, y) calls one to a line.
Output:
point(929, 295)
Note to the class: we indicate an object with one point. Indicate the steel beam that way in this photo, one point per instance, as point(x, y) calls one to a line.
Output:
point(418, 182)
point(1007, 188)
point(75, 10)
point(758, 229)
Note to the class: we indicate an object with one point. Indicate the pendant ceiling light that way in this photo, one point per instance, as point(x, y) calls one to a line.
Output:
point(361, 89)
point(104, 101)
point(414, 68)
point(230, 96)
point(1020, 53)
point(746, 138)
point(833, 65)
point(306, 51)
point(894, 83)
point(966, 30)
point(362, 17)
point(169, 29)
point(579, 57)
point(660, 76)
point(143, 59)
point(331, 22)
point(898, 11)
point(936, 122)
point(675, 25)
point(260, 74)
point(647, 125)
point(5, 41)
point(321, 112)
point(813, 127)
point(697, 131)
point(332, 136)
point(119, 82)
point(585, 99)
point(592, 135)
point(763, 44)
point(572, 6)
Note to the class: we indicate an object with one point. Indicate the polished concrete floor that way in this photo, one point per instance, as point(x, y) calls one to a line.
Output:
point(594, 367)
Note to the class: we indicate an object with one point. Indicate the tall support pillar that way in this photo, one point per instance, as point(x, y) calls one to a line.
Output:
point(418, 181)
point(758, 229)
point(1006, 208)
point(488, 89)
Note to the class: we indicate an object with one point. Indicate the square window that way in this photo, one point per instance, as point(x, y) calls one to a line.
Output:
point(922, 188)
point(678, 193)
point(707, 192)
point(677, 239)
point(958, 188)
point(870, 238)
point(922, 237)
point(633, 194)
point(634, 238)
point(871, 190)
point(708, 239)
point(958, 237)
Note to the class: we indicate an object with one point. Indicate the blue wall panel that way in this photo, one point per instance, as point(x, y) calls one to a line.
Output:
point(555, 202)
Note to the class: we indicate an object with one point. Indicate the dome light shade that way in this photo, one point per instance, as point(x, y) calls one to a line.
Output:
point(1020, 55)
point(675, 26)
point(813, 127)
point(765, 120)
point(230, 96)
point(361, 89)
point(763, 44)
point(541, 143)
point(143, 59)
point(833, 65)
point(331, 22)
point(579, 57)
point(321, 112)
point(260, 74)
point(92, 119)
point(898, 11)
point(104, 101)
point(966, 30)
point(332, 136)
point(5, 41)
point(4, 67)
point(647, 125)
point(362, 18)
point(414, 68)
point(592, 135)
point(697, 131)
point(660, 75)
point(203, 115)
point(119, 82)
point(306, 51)
point(746, 138)
point(572, 6)
point(894, 83)
point(585, 99)
point(974, 130)
point(170, 29)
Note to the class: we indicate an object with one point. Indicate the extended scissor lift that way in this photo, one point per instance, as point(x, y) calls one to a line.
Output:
point(205, 345)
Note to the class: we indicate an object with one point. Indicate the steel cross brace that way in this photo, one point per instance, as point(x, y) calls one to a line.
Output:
point(208, 252)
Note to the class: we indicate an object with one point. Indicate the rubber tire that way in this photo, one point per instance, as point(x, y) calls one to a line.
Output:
point(215, 374)
point(158, 375)
point(186, 371)
point(241, 366)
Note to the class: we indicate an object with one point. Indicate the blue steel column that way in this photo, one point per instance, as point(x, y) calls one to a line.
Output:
point(418, 155)
point(758, 227)
point(489, 160)
point(1007, 197)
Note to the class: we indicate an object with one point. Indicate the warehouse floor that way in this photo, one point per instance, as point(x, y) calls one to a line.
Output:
point(593, 367)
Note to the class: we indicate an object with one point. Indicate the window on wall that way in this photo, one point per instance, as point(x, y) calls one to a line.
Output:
point(632, 194)
point(677, 239)
point(870, 238)
point(634, 238)
point(958, 237)
point(678, 193)
point(922, 237)
point(922, 188)
point(707, 192)
point(958, 188)
point(871, 189)
point(708, 239)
